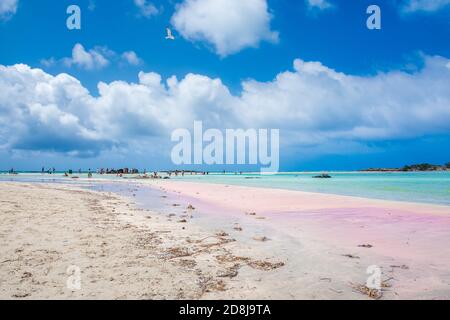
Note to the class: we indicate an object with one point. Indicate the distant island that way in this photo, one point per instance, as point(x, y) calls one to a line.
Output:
point(413, 167)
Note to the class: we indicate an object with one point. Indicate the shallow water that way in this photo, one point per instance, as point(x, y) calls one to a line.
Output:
point(204, 215)
point(427, 187)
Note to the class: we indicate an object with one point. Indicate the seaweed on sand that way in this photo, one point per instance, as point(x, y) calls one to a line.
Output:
point(177, 252)
point(265, 265)
point(237, 227)
point(255, 264)
point(222, 234)
point(208, 284)
point(261, 238)
point(368, 246)
point(370, 292)
point(351, 256)
point(229, 272)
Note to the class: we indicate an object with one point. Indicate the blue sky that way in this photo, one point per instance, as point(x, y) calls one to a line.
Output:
point(257, 51)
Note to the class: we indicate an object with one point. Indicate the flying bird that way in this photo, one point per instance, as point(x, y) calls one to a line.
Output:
point(169, 34)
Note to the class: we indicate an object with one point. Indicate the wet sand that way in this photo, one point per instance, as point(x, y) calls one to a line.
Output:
point(408, 241)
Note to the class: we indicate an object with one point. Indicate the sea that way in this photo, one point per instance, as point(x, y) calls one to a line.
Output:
point(423, 187)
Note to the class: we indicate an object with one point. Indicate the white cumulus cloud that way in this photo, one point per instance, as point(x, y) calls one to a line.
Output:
point(228, 25)
point(312, 105)
point(8, 8)
point(146, 8)
point(319, 4)
point(93, 59)
point(424, 5)
point(132, 58)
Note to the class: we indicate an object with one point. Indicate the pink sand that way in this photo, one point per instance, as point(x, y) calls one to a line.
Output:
point(392, 225)
point(401, 233)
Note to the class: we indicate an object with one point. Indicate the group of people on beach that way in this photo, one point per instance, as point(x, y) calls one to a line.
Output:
point(49, 171)
point(127, 171)
point(183, 172)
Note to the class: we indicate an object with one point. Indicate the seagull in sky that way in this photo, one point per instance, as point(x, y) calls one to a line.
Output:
point(169, 35)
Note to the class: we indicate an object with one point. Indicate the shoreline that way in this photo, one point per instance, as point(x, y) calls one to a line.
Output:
point(330, 200)
point(368, 194)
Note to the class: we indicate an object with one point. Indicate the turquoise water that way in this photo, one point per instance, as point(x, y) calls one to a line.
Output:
point(427, 187)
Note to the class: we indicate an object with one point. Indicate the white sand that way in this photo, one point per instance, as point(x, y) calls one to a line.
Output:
point(122, 252)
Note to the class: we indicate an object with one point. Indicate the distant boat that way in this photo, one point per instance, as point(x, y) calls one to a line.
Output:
point(323, 176)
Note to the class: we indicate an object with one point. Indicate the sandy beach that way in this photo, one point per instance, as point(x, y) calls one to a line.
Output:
point(122, 252)
point(223, 242)
point(240, 151)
